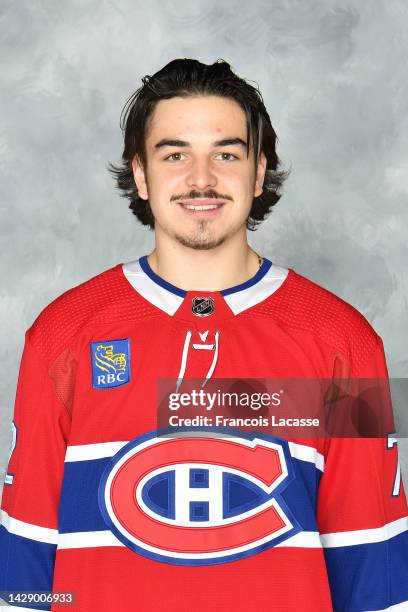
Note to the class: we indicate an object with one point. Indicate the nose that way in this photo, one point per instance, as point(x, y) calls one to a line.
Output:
point(201, 175)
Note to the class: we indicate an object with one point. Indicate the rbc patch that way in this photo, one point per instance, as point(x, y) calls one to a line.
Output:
point(110, 363)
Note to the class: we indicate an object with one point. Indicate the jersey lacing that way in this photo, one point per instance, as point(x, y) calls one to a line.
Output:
point(209, 347)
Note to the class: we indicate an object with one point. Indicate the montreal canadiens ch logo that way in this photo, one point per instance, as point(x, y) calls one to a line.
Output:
point(201, 497)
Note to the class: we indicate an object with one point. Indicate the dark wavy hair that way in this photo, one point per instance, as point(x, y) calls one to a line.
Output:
point(189, 77)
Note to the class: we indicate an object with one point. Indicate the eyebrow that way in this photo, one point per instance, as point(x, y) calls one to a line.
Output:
point(225, 142)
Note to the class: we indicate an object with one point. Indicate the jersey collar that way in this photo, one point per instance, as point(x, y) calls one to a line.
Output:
point(169, 298)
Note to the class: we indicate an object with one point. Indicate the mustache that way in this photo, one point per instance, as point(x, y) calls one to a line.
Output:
point(201, 194)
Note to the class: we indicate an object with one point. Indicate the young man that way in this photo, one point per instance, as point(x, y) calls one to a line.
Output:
point(95, 502)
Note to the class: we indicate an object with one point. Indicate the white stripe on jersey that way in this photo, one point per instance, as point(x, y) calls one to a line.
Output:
point(307, 453)
point(27, 530)
point(365, 536)
point(86, 452)
point(90, 539)
point(304, 539)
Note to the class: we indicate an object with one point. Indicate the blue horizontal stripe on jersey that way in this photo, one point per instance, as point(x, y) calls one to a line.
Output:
point(369, 576)
point(30, 567)
point(79, 509)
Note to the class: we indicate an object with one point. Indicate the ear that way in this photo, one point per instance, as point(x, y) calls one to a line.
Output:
point(140, 178)
point(260, 174)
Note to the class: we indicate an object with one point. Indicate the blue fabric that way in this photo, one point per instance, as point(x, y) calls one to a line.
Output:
point(25, 565)
point(369, 576)
point(79, 509)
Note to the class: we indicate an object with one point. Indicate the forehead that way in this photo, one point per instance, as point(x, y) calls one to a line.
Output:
point(196, 118)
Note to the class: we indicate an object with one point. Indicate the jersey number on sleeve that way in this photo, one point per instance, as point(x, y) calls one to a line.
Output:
point(10, 477)
point(391, 442)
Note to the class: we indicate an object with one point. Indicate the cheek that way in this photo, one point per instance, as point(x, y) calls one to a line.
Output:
point(238, 177)
point(161, 187)
point(166, 180)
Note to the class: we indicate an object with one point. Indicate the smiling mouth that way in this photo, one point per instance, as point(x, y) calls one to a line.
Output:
point(200, 205)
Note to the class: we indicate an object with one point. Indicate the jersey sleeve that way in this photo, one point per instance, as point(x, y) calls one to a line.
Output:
point(362, 516)
point(29, 508)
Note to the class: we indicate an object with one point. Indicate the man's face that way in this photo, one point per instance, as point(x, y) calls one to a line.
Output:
point(200, 188)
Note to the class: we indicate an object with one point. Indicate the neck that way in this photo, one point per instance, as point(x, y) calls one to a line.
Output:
point(227, 265)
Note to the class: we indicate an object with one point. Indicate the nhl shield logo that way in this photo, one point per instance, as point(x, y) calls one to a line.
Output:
point(202, 306)
point(199, 499)
point(110, 363)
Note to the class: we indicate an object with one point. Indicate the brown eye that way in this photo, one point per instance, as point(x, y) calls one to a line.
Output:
point(229, 155)
point(172, 155)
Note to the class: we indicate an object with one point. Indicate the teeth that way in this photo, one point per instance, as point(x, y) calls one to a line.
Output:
point(203, 207)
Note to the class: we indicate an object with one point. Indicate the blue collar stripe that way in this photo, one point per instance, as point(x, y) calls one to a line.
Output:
point(266, 264)
point(144, 264)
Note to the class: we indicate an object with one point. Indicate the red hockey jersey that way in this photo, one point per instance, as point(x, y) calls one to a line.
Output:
point(97, 504)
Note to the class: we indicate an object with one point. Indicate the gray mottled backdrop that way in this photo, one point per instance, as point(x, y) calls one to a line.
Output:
point(333, 76)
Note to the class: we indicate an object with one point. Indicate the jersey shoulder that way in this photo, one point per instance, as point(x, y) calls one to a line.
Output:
point(301, 304)
point(106, 297)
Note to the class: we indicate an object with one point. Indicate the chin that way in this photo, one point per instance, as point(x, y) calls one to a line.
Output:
point(200, 244)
